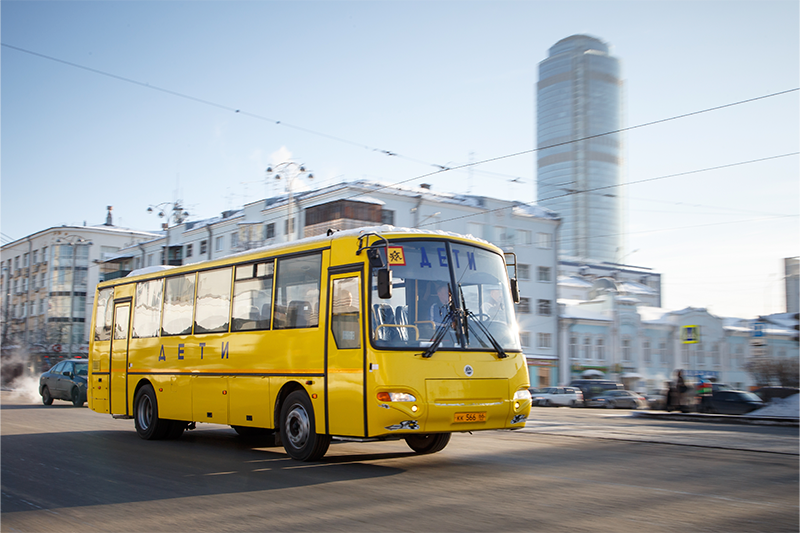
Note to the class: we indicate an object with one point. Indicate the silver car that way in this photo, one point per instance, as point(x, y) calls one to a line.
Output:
point(549, 396)
point(618, 398)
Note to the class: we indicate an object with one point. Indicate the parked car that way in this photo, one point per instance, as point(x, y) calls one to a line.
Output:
point(657, 399)
point(618, 398)
point(568, 396)
point(735, 402)
point(594, 387)
point(768, 393)
point(65, 381)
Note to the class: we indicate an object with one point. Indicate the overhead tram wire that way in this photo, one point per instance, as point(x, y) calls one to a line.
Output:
point(645, 180)
point(440, 168)
point(224, 107)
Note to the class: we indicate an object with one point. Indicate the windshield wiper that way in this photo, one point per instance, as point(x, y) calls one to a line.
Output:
point(496, 345)
point(441, 330)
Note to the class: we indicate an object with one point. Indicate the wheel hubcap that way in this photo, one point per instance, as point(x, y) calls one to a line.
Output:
point(297, 426)
point(145, 412)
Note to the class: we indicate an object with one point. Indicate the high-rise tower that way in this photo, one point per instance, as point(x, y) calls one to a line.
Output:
point(579, 97)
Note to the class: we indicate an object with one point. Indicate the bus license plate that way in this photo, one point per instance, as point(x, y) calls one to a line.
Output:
point(470, 417)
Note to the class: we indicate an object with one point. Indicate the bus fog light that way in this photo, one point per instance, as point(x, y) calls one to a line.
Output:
point(396, 397)
point(516, 406)
point(414, 408)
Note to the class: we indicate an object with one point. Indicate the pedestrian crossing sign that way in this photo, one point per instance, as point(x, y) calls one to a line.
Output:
point(690, 334)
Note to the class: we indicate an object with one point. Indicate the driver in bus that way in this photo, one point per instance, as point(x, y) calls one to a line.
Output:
point(494, 304)
point(440, 309)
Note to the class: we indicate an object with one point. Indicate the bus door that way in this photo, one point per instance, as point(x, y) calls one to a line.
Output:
point(118, 404)
point(345, 395)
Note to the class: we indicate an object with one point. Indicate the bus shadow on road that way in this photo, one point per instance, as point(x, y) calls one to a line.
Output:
point(112, 467)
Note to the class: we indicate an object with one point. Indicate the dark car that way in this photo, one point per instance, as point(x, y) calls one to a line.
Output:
point(735, 402)
point(768, 393)
point(618, 398)
point(594, 387)
point(65, 381)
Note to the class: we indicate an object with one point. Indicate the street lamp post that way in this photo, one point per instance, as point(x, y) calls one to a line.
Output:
point(73, 241)
point(171, 211)
point(290, 171)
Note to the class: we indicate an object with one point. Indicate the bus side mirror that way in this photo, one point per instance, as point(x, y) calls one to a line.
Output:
point(515, 290)
point(384, 283)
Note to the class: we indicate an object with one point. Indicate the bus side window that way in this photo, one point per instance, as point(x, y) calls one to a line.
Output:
point(252, 297)
point(297, 292)
point(105, 312)
point(178, 305)
point(213, 301)
point(345, 313)
point(147, 313)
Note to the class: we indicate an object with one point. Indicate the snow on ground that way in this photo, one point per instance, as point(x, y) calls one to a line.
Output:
point(780, 407)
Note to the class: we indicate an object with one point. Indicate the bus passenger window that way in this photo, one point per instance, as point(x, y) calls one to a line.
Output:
point(252, 297)
point(104, 314)
point(178, 305)
point(147, 313)
point(297, 292)
point(213, 301)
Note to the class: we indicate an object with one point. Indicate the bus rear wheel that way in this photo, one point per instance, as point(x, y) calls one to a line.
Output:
point(145, 415)
point(298, 434)
point(431, 443)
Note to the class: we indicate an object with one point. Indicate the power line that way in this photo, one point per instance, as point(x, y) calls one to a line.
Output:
point(645, 180)
point(440, 168)
point(220, 106)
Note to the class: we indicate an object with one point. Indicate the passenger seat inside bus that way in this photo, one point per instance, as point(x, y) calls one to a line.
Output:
point(297, 314)
point(385, 315)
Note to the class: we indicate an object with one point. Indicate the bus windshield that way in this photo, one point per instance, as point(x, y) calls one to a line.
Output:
point(427, 293)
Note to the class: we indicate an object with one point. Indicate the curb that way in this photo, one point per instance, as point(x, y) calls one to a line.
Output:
point(720, 419)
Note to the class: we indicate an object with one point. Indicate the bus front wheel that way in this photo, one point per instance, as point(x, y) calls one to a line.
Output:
point(145, 409)
point(298, 434)
point(428, 443)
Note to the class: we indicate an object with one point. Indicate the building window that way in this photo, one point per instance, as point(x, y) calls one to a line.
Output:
point(573, 347)
point(662, 353)
point(544, 340)
point(701, 356)
point(601, 349)
point(524, 305)
point(36, 257)
point(587, 348)
point(188, 251)
point(523, 271)
point(475, 229)
point(234, 240)
point(544, 307)
point(387, 217)
point(544, 274)
point(544, 240)
point(685, 355)
point(44, 254)
point(16, 263)
point(218, 244)
point(288, 226)
point(203, 247)
point(626, 351)
point(647, 354)
point(524, 339)
point(25, 261)
point(524, 236)
point(269, 231)
point(715, 360)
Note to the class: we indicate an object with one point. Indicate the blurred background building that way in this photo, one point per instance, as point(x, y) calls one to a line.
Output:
point(579, 95)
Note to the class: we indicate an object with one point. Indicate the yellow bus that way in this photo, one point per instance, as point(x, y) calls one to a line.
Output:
point(373, 334)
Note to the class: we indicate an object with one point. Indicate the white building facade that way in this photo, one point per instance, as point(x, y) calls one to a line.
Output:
point(641, 346)
point(48, 281)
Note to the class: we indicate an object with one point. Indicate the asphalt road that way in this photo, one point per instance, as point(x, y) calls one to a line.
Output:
point(70, 469)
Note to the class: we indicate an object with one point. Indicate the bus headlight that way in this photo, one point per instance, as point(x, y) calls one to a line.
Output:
point(522, 394)
point(396, 397)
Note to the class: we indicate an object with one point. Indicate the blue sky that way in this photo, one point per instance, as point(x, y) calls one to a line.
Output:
point(430, 81)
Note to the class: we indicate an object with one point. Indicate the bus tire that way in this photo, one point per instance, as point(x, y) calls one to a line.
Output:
point(145, 415)
point(298, 434)
point(431, 443)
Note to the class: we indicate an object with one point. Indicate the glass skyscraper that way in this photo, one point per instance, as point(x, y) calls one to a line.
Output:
point(579, 97)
